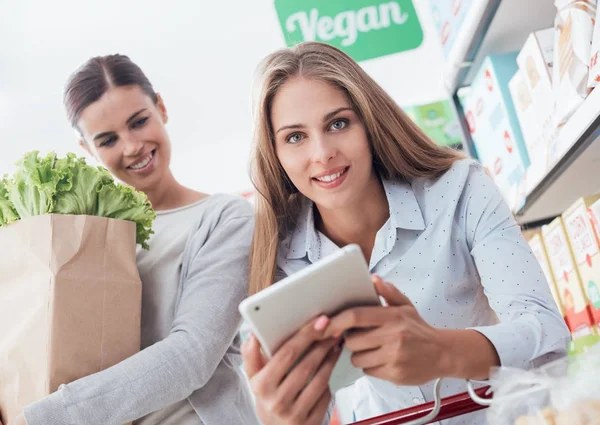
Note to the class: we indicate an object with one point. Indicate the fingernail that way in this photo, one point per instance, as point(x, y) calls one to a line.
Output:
point(337, 334)
point(321, 323)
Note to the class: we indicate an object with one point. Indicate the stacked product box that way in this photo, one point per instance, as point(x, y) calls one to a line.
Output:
point(531, 90)
point(536, 244)
point(594, 72)
point(568, 282)
point(494, 126)
point(448, 16)
point(581, 221)
point(574, 27)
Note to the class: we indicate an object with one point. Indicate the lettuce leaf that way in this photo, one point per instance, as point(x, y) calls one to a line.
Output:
point(33, 186)
point(70, 186)
point(125, 203)
point(77, 192)
point(7, 211)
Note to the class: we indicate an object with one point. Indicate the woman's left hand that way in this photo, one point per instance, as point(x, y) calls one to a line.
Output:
point(19, 420)
point(393, 342)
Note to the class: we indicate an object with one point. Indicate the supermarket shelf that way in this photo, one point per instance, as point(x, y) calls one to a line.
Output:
point(493, 26)
point(574, 171)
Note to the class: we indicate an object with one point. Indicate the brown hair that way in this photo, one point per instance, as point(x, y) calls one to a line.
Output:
point(92, 79)
point(400, 149)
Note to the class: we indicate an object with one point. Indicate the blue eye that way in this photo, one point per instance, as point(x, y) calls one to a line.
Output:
point(294, 138)
point(108, 142)
point(139, 123)
point(339, 124)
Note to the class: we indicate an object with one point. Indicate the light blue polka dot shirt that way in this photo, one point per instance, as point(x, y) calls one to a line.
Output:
point(452, 246)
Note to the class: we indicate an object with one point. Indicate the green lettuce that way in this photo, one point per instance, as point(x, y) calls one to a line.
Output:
point(7, 211)
point(33, 186)
point(125, 203)
point(78, 190)
point(43, 185)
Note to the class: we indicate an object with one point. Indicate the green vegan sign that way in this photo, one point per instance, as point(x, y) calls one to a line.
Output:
point(364, 29)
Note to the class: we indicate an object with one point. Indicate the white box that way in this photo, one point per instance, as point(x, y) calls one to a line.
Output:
point(523, 103)
point(494, 125)
point(536, 60)
point(574, 26)
point(594, 75)
point(537, 119)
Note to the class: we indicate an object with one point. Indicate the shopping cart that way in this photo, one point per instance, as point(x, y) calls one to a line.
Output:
point(438, 410)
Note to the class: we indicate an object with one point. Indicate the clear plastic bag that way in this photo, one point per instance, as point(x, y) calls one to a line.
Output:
point(564, 392)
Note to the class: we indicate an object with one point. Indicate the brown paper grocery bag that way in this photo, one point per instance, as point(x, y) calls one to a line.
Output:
point(70, 303)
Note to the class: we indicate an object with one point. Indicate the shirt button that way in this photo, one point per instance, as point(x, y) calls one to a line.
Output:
point(418, 400)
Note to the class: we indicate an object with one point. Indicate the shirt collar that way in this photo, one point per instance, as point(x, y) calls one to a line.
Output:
point(405, 213)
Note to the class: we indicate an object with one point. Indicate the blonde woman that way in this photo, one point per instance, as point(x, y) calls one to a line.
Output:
point(337, 162)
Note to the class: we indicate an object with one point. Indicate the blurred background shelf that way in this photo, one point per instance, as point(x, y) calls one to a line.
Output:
point(500, 26)
point(493, 26)
point(573, 173)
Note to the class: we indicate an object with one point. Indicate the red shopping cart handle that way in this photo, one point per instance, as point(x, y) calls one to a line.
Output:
point(456, 405)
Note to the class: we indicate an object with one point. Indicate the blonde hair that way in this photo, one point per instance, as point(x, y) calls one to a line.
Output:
point(400, 149)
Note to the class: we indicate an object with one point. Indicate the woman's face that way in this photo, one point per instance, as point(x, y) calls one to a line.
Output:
point(125, 131)
point(321, 143)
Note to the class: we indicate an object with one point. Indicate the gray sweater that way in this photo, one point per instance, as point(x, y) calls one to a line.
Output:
point(199, 359)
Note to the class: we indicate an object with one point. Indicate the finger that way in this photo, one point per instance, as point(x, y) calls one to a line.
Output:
point(321, 323)
point(298, 378)
point(363, 340)
point(288, 354)
point(368, 359)
point(390, 293)
point(252, 357)
point(312, 395)
point(317, 414)
point(358, 317)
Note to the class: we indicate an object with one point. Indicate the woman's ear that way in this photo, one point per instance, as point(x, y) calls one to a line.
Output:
point(160, 104)
point(86, 147)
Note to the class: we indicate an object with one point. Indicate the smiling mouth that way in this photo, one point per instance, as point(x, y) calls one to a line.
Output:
point(330, 178)
point(144, 162)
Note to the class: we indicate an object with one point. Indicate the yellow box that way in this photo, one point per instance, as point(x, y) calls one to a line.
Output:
point(539, 250)
point(586, 250)
point(566, 276)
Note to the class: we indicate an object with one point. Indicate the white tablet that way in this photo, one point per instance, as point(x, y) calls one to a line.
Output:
point(335, 283)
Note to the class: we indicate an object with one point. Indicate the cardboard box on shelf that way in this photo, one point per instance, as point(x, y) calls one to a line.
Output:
point(566, 276)
point(448, 17)
point(574, 26)
point(494, 126)
point(535, 61)
point(586, 251)
point(536, 244)
point(594, 290)
point(594, 71)
point(594, 213)
point(438, 120)
point(523, 104)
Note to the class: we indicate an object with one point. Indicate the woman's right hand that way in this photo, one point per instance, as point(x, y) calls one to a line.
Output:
point(284, 398)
